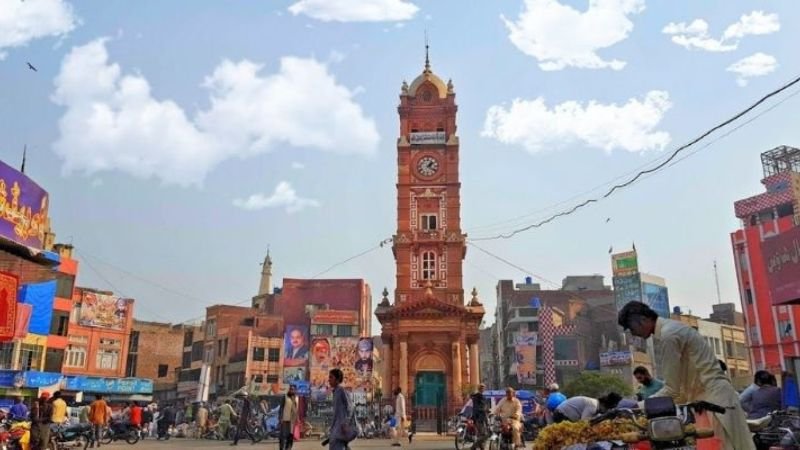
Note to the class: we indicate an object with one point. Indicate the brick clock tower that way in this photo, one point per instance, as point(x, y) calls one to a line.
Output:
point(430, 336)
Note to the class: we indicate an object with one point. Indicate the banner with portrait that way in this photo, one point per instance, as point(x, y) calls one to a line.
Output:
point(295, 346)
point(525, 353)
point(344, 353)
point(103, 311)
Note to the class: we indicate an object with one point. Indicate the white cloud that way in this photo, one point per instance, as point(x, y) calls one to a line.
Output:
point(756, 65)
point(535, 126)
point(283, 197)
point(355, 10)
point(559, 36)
point(24, 21)
point(113, 122)
point(298, 165)
point(695, 35)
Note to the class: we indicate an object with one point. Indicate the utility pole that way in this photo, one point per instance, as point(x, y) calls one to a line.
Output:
point(716, 279)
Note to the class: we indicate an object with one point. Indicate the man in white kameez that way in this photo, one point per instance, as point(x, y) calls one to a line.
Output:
point(690, 371)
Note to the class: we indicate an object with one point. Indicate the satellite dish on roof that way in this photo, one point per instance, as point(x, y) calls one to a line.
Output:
point(535, 302)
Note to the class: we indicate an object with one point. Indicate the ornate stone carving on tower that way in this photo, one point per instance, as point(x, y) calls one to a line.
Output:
point(430, 336)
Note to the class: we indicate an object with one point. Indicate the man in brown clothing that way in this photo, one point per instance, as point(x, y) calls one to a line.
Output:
point(41, 417)
point(98, 417)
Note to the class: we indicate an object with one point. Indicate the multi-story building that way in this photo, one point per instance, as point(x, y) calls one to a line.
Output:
point(726, 313)
point(228, 336)
point(567, 339)
point(728, 343)
point(264, 368)
point(190, 377)
point(155, 353)
point(771, 330)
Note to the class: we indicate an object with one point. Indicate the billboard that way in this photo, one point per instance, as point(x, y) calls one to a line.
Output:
point(104, 311)
point(657, 298)
point(292, 375)
point(335, 317)
point(624, 264)
point(295, 346)
point(627, 289)
point(616, 359)
point(343, 353)
point(23, 208)
point(363, 364)
point(525, 354)
point(782, 261)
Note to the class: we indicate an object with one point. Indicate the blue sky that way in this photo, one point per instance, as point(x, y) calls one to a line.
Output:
point(179, 140)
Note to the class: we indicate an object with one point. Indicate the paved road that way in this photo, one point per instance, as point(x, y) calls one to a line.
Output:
point(420, 443)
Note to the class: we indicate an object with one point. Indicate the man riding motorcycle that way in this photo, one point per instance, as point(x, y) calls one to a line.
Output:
point(509, 409)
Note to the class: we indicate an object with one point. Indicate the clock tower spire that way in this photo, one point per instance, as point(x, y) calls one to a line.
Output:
point(429, 334)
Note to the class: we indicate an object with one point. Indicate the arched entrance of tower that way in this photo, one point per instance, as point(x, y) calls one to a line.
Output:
point(429, 391)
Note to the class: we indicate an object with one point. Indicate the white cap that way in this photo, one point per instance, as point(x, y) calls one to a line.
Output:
point(553, 387)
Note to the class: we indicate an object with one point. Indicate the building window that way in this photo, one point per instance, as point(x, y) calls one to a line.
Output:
point(322, 330)
point(428, 222)
point(130, 365)
point(729, 349)
point(186, 360)
point(6, 355)
point(272, 378)
point(188, 338)
point(163, 369)
point(428, 266)
point(258, 378)
point(30, 357)
point(209, 356)
point(274, 355)
point(64, 285)
point(197, 351)
point(53, 360)
point(59, 325)
point(76, 356)
point(211, 328)
point(717, 346)
point(134, 346)
point(344, 331)
point(755, 335)
point(107, 359)
point(785, 329)
point(75, 315)
point(748, 295)
point(258, 353)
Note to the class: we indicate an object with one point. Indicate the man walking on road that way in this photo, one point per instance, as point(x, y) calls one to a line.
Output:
point(480, 415)
point(41, 417)
point(244, 420)
point(288, 415)
point(399, 416)
point(98, 417)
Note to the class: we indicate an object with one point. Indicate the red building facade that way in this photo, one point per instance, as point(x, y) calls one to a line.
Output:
point(771, 330)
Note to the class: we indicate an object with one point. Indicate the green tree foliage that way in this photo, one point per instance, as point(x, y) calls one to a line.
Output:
point(595, 385)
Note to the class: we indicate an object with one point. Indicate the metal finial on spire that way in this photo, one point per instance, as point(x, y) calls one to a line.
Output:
point(427, 60)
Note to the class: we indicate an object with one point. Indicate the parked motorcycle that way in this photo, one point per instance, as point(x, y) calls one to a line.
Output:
point(778, 429)
point(120, 431)
point(466, 433)
point(669, 427)
point(71, 436)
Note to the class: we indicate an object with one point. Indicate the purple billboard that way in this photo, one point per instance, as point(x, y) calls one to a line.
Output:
point(782, 263)
point(23, 208)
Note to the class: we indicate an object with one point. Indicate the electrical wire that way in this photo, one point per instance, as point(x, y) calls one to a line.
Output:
point(642, 173)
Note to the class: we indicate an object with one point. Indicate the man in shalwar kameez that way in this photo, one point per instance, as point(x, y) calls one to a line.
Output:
point(690, 371)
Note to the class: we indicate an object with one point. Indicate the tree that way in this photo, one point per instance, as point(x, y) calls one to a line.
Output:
point(596, 385)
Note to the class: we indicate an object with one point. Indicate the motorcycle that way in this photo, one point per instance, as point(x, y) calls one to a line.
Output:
point(776, 429)
point(13, 433)
point(466, 433)
point(120, 431)
point(669, 427)
point(502, 436)
point(71, 436)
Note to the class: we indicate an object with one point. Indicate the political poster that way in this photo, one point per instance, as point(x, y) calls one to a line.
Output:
point(525, 353)
point(295, 346)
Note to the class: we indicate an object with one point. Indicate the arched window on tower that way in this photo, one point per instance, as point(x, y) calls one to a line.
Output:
point(428, 266)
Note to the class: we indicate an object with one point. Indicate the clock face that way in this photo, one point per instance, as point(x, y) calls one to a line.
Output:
point(428, 166)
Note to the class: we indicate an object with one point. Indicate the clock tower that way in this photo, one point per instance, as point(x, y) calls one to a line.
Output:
point(429, 332)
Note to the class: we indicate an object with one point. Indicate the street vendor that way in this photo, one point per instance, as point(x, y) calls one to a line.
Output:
point(690, 370)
